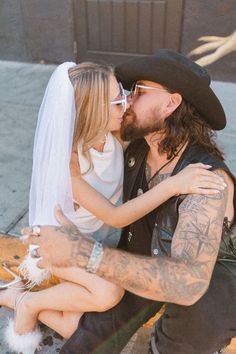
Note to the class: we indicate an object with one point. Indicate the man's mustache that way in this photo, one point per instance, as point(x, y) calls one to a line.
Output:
point(129, 112)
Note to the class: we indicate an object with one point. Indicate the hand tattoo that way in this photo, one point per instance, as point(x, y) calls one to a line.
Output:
point(81, 246)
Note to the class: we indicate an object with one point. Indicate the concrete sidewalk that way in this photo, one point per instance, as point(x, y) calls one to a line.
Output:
point(21, 91)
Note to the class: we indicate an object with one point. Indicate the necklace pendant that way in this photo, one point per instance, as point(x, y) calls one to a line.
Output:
point(103, 140)
point(130, 235)
point(139, 192)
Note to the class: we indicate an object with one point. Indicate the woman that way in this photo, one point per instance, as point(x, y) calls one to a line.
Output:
point(79, 122)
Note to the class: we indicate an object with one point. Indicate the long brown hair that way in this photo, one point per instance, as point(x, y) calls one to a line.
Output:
point(92, 92)
point(185, 124)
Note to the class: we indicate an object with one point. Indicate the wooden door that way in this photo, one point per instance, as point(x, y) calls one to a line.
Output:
point(114, 30)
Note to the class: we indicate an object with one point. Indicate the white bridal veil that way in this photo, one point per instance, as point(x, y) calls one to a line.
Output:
point(50, 182)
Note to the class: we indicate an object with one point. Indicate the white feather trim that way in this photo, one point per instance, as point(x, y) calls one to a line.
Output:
point(22, 343)
point(31, 271)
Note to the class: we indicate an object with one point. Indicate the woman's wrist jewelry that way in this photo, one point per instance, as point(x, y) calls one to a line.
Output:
point(95, 258)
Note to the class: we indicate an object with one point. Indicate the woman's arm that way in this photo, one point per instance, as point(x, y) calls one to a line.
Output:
point(127, 213)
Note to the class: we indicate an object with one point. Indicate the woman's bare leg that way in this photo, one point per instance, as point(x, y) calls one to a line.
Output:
point(64, 323)
point(95, 294)
point(8, 296)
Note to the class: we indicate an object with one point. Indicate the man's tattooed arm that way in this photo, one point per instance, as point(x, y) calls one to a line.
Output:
point(185, 276)
point(182, 278)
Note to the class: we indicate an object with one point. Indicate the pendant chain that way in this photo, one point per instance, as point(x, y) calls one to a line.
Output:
point(160, 169)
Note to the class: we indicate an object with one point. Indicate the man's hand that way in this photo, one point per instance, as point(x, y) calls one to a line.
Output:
point(60, 246)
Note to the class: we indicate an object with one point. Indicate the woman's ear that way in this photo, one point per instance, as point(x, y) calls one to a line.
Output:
point(174, 101)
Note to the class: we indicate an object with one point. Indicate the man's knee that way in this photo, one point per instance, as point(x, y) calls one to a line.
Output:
point(108, 332)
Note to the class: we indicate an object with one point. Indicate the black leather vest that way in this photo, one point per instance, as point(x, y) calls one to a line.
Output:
point(167, 213)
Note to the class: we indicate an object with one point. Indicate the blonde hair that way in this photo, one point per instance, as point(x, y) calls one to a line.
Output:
point(91, 83)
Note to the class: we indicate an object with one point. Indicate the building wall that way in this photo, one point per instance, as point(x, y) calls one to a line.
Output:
point(35, 30)
point(12, 41)
point(53, 31)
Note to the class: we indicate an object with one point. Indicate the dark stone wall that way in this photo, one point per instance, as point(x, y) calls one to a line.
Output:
point(210, 17)
point(12, 41)
point(42, 30)
point(36, 30)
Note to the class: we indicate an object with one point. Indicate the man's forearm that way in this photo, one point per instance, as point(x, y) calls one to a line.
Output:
point(182, 278)
point(160, 278)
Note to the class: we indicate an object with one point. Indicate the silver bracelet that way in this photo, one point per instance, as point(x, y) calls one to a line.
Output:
point(95, 258)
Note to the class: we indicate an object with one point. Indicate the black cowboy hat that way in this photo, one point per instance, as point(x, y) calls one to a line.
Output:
point(179, 74)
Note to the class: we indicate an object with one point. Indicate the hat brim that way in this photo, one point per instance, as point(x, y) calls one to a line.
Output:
point(178, 78)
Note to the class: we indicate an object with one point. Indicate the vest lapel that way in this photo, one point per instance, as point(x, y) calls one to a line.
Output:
point(134, 157)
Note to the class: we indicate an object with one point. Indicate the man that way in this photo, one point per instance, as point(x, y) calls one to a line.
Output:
point(175, 110)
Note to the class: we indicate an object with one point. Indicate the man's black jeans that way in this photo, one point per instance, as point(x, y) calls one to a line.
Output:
point(204, 327)
point(108, 332)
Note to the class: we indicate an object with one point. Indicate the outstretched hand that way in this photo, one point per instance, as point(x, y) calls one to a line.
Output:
point(197, 179)
point(58, 245)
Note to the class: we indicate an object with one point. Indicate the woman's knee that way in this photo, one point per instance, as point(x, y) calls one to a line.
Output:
point(109, 297)
point(70, 325)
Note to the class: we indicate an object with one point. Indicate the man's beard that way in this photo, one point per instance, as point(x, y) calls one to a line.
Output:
point(131, 131)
